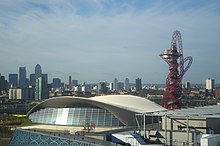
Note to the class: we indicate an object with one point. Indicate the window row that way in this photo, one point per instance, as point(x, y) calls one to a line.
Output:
point(75, 116)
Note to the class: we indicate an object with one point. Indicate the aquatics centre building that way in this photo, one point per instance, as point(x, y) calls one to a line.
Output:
point(110, 111)
point(119, 119)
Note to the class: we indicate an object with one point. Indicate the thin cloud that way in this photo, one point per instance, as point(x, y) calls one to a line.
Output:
point(92, 36)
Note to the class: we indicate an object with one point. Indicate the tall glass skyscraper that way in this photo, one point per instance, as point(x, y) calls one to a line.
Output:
point(38, 88)
point(127, 84)
point(41, 80)
point(32, 79)
point(13, 80)
point(22, 77)
point(138, 84)
point(38, 71)
point(115, 84)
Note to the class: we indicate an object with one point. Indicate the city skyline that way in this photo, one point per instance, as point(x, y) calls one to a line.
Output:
point(101, 40)
point(30, 77)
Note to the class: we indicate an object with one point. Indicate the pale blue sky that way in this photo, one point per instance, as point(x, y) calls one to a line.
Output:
point(96, 40)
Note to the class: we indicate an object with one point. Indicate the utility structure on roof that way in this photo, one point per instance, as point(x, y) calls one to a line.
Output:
point(175, 60)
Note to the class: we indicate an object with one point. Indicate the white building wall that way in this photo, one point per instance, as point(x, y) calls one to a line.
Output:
point(111, 86)
point(210, 84)
point(210, 140)
point(15, 94)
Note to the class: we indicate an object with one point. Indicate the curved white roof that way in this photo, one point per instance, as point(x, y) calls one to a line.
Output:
point(129, 102)
point(124, 107)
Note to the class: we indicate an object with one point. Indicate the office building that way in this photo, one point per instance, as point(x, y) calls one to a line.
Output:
point(45, 76)
point(127, 86)
point(3, 84)
point(15, 94)
point(111, 86)
point(56, 83)
point(210, 84)
point(120, 86)
point(187, 85)
point(70, 82)
point(32, 80)
point(115, 84)
point(102, 88)
point(38, 71)
point(75, 83)
point(41, 91)
point(13, 80)
point(29, 93)
point(38, 88)
point(138, 84)
point(41, 81)
point(84, 88)
point(22, 77)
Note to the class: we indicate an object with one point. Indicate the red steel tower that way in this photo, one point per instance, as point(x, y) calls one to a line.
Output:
point(175, 60)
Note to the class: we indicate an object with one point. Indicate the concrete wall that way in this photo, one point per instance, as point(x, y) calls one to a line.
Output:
point(214, 123)
point(210, 140)
point(173, 122)
point(177, 138)
point(177, 133)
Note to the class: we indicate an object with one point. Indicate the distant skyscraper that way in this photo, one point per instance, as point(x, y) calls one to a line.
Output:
point(210, 84)
point(32, 79)
point(29, 93)
point(75, 83)
point(70, 81)
point(22, 77)
point(38, 88)
point(120, 86)
point(138, 84)
point(38, 71)
point(41, 91)
point(102, 88)
point(187, 85)
point(3, 84)
point(115, 84)
point(111, 86)
point(13, 80)
point(41, 81)
point(45, 76)
point(127, 87)
point(56, 83)
point(38, 82)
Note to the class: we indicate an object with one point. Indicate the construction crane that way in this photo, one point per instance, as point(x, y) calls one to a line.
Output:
point(174, 58)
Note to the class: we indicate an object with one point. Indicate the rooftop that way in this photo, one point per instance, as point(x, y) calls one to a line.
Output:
point(205, 111)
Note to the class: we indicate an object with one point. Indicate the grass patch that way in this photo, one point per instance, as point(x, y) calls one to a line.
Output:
point(25, 122)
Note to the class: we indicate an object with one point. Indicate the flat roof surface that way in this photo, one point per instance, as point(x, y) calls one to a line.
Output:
point(205, 111)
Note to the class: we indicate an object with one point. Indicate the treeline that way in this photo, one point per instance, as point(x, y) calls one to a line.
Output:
point(10, 121)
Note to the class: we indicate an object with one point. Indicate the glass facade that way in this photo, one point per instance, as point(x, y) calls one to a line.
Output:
point(75, 116)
